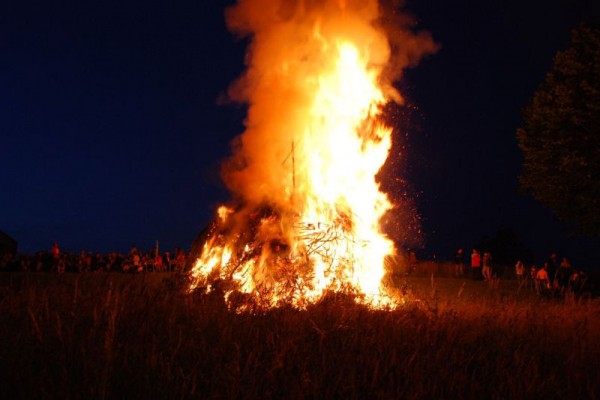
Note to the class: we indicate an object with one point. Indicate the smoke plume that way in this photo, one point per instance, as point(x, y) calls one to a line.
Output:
point(290, 41)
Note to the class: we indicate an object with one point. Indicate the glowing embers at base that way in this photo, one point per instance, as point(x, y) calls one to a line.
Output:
point(251, 259)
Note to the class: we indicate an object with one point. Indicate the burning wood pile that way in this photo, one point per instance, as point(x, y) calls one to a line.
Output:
point(304, 171)
point(261, 258)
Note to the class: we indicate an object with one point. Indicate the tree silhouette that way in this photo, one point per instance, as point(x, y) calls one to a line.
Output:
point(506, 247)
point(560, 135)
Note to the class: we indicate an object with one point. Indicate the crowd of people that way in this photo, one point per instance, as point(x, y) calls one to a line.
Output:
point(60, 261)
point(551, 277)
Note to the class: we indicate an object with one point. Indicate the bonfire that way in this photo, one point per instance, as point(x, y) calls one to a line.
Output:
point(306, 216)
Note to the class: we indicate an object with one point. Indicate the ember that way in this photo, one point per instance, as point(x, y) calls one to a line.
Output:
point(306, 219)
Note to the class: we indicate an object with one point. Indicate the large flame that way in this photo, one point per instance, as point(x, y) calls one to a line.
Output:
point(308, 206)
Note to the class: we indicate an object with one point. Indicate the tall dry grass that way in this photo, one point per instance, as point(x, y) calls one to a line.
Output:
point(115, 336)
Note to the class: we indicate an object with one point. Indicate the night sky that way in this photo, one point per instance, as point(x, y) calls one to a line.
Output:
point(112, 129)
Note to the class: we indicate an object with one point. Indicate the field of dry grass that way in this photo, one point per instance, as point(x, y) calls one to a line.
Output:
point(138, 336)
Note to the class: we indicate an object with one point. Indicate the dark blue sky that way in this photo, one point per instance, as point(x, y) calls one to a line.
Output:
point(111, 132)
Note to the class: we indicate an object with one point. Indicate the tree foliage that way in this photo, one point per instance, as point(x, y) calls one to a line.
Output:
point(560, 135)
point(506, 247)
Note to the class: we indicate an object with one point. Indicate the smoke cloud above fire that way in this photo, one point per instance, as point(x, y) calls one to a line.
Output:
point(290, 42)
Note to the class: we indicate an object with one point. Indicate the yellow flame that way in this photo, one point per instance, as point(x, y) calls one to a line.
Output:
point(342, 164)
point(321, 231)
point(223, 212)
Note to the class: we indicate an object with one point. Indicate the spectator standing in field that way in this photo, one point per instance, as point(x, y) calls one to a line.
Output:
point(577, 281)
point(520, 271)
point(25, 264)
point(88, 262)
point(542, 281)
point(136, 262)
point(180, 260)
point(532, 276)
point(475, 265)
point(109, 261)
point(552, 267)
point(81, 260)
point(487, 266)
point(55, 255)
point(459, 263)
point(168, 262)
point(133, 250)
point(39, 261)
point(61, 267)
point(564, 274)
point(158, 263)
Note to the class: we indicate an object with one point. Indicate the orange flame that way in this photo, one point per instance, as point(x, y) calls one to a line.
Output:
point(308, 217)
